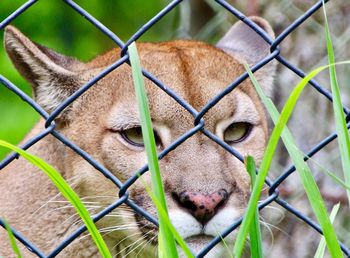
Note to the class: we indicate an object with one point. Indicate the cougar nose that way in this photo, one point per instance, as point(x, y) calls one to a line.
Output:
point(203, 206)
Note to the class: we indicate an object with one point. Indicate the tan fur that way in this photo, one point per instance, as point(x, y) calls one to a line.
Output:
point(197, 72)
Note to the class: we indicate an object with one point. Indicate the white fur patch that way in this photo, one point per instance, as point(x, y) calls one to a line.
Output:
point(219, 251)
point(220, 222)
point(185, 223)
point(188, 227)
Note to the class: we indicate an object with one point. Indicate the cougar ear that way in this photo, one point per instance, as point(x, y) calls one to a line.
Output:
point(51, 74)
point(246, 45)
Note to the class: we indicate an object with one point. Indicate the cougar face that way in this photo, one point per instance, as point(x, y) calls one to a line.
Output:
point(206, 187)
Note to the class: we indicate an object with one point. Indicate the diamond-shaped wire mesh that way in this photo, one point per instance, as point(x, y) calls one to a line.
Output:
point(50, 128)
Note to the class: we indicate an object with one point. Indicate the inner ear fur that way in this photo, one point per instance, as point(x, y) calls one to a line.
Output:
point(247, 46)
point(52, 75)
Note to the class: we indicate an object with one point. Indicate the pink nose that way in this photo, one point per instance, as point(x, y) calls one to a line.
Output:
point(203, 206)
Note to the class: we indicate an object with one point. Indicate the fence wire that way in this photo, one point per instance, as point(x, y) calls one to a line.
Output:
point(50, 128)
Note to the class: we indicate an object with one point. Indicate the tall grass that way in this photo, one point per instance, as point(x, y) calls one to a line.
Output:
point(305, 174)
point(308, 182)
point(322, 245)
point(328, 173)
point(340, 123)
point(266, 162)
point(254, 231)
point(12, 240)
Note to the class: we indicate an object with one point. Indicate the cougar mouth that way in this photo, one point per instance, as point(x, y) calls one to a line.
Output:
point(196, 240)
point(199, 238)
point(149, 230)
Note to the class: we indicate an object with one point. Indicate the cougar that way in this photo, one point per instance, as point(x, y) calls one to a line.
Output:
point(206, 187)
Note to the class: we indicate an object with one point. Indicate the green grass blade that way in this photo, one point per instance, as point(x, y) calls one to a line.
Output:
point(226, 246)
point(328, 173)
point(322, 245)
point(12, 240)
point(254, 231)
point(309, 184)
point(266, 162)
point(340, 123)
point(268, 155)
point(165, 216)
point(166, 239)
point(67, 192)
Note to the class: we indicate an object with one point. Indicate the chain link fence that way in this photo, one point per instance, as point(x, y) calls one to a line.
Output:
point(50, 129)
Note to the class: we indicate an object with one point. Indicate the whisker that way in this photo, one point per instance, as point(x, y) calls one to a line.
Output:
point(266, 224)
point(115, 228)
point(63, 201)
point(99, 196)
point(106, 232)
point(89, 208)
point(131, 245)
point(121, 208)
point(120, 215)
point(72, 185)
point(273, 208)
point(147, 243)
point(129, 236)
point(155, 248)
point(112, 214)
point(134, 248)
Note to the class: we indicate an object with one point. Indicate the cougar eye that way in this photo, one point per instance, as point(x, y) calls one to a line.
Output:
point(237, 132)
point(134, 137)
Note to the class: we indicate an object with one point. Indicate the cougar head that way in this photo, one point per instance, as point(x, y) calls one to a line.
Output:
point(206, 187)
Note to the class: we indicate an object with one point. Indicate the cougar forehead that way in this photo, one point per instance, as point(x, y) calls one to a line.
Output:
point(191, 69)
